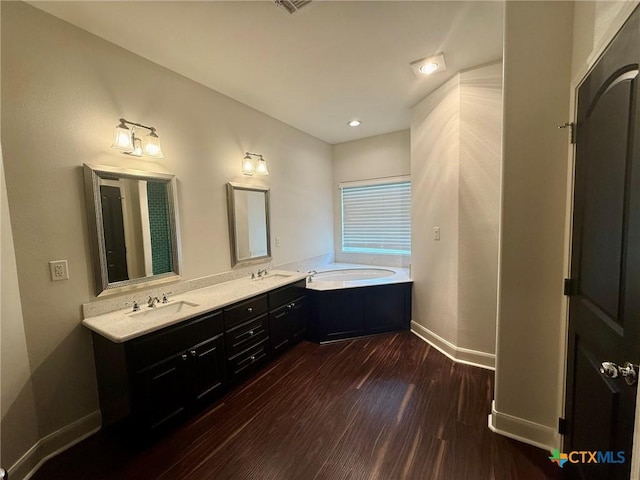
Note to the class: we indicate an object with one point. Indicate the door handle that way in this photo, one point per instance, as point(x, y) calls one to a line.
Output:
point(612, 370)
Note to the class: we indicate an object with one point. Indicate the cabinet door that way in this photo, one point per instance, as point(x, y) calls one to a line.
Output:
point(161, 393)
point(340, 314)
point(208, 369)
point(385, 308)
point(279, 328)
point(298, 323)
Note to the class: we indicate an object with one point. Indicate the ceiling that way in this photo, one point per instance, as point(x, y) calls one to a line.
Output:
point(331, 62)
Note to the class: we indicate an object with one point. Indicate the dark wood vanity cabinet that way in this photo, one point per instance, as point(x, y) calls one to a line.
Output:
point(287, 316)
point(247, 336)
point(156, 378)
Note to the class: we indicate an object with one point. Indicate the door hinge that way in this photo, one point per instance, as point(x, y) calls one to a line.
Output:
point(562, 426)
point(569, 287)
point(572, 130)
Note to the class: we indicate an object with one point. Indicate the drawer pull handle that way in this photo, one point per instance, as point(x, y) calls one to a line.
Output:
point(251, 333)
point(253, 358)
point(184, 356)
point(193, 353)
point(250, 309)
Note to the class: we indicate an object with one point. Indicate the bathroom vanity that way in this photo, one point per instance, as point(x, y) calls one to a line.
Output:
point(153, 371)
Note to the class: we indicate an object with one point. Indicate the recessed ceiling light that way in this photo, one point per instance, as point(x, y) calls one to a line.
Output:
point(429, 65)
point(428, 68)
point(354, 123)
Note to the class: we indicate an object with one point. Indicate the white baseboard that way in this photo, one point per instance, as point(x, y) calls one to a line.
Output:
point(460, 355)
point(53, 444)
point(522, 430)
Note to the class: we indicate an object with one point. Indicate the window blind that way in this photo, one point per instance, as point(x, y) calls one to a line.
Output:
point(377, 218)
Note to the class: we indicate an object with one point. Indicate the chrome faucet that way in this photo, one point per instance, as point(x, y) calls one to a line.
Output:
point(135, 307)
point(310, 275)
point(165, 297)
point(152, 301)
point(262, 272)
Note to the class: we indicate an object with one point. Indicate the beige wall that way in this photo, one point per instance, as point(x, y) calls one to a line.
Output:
point(19, 425)
point(387, 155)
point(530, 338)
point(435, 157)
point(455, 166)
point(479, 204)
point(63, 91)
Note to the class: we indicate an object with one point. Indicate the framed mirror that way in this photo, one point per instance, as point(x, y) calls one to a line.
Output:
point(133, 226)
point(249, 233)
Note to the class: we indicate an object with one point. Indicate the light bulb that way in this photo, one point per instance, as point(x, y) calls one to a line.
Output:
point(261, 167)
point(122, 138)
point(152, 145)
point(248, 167)
point(428, 68)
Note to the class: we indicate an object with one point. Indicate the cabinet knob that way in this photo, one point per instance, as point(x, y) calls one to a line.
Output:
point(192, 353)
point(250, 309)
point(251, 333)
point(184, 356)
point(253, 358)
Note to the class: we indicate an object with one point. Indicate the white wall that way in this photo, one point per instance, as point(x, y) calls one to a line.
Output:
point(530, 337)
point(455, 167)
point(387, 155)
point(63, 91)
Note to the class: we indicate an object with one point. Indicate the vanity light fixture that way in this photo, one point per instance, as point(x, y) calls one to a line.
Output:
point(251, 166)
point(127, 142)
point(428, 65)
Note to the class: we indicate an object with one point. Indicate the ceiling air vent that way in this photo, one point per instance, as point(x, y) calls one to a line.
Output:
point(292, 6)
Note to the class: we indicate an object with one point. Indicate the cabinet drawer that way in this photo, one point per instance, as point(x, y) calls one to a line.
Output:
point(284, 295)
point(156, 346)
point(248, 360)
point(246, 334)
point(241, 312)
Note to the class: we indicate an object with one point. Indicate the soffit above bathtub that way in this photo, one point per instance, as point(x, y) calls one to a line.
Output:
point(315, 70)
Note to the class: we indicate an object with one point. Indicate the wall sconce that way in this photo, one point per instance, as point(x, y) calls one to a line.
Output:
point(125, 140)
point(251, 166)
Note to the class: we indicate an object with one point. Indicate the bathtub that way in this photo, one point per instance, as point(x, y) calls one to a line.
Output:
point(350, 301)
point(339, 276)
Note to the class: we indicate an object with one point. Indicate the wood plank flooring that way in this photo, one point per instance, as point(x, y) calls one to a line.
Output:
point(384, 407)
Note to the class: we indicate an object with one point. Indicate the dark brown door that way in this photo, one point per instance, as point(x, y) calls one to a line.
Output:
point(114, 242)
point(604, 308)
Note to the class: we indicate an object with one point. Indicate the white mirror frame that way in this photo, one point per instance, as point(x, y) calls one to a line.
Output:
point(92, 176)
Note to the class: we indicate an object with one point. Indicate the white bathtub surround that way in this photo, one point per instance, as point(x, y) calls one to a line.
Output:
point(383, 260)
point(123, 325)
point(308, 264)
point(345, 275)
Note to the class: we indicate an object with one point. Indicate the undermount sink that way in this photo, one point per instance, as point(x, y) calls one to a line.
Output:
point(164, 310)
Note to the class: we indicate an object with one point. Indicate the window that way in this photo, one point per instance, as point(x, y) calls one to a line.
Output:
point(376, 216)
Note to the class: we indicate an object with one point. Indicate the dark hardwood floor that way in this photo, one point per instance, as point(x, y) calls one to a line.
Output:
point(385, 407)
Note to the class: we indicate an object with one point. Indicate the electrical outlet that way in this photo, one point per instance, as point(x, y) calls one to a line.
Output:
point(277, 241)
point(436, 233)
point(59, 270)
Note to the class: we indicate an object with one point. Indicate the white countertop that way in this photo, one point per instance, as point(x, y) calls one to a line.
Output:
point(123, 325)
